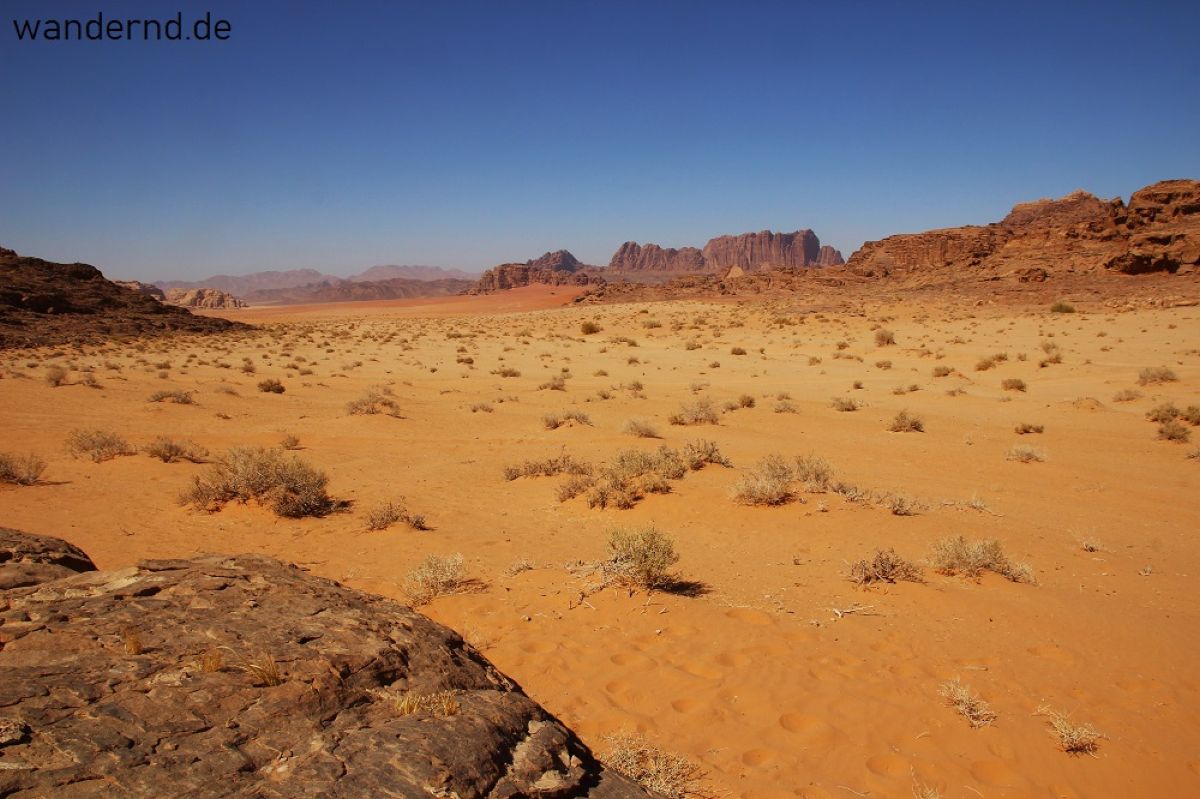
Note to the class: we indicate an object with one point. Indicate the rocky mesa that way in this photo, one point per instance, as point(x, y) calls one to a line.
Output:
point(1158, 231)
point(558, 268)
point(750, 252)
point(244, 676)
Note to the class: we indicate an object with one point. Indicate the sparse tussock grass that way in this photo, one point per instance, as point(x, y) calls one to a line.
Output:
point(561, 463)
point(384, 515)
point(435, 576)
point(814, 472)
point(1074, 739)
point(968, 703)
point(1154, 375)
point(640, 428)
point(699, 452)
point(98, 445)
point(22, 470)
point(1025, 454)
point(556, 383)
point(1013, 384)
point(1025, 428)
point(942, 371)
point(1127, 395)
point(767, 483)
point(664, 773)
point(845, 404)
point(553, 421)
point(885, 566)
point(291, 487)
point(271, 386)
point(906, 422)
point(702, 411)
point(506, 371)
point(169, 450)
point(957, 555)
point(177, 397)
point(642, 557)
point(1164, 412)
point(440, 703)
point(1174, 431)
point(377, 400)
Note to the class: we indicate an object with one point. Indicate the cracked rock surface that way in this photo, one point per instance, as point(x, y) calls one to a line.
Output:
point(246, 677)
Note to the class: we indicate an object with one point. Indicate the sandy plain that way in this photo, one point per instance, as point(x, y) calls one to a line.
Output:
point(780, 677)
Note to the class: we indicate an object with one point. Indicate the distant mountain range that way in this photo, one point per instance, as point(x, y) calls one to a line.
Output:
point(246, 285)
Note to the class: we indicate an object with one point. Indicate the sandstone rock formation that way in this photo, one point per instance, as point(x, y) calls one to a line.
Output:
point(558, 268)
point(356, 290)
point(203, 298)
point(245, 677)
point(31, 559)
point(48, 303)
point(751, 252)
point(149, 289)
point(1158, 231)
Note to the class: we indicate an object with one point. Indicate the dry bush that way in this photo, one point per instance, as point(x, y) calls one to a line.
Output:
point(436, 576)
point(1126, 395)
point(388, 513)
point(942, 371)
point(701, 411)
point(783, 406)
point(902, 505)
point(1075, 739)
point(632, 474)
point(884, 338)
point(1164, 412)
point(1025, 428)
point(906, 423)
point(1062, 307)
point(640, 428)
point(22, 470)
point(441, 703)
point(1013, 384)
point(956, 555)
point(1153, 375)
point(815, 472)
point(1191, 415)
point(885, 567)
point(1174, 431)
point(375, 401)
point(290, 442)
point(99, 445)
point(55, 376)
point(967, 703)
point(482, 407)
point(548, 467)
point(507, 371)
point(177, 397)
point(767, 483)
point(663, 773)
point(1024, 454)
point(985, 364)
point(553, 421)
point(641, 557)
point(701, 451)
point(168, 450)
point(589, 328)
point(556, 383)
point(271, 386)
point(845, 404)
point(737, 351)
point(290, 486)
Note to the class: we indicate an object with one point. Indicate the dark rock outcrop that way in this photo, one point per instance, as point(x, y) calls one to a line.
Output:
point(764, 251)
point(357, 291)
point(31, 559)
point(42, 302)
point(634, 257)
point(149, 289)
point(558, 268)
point(1080, 233)
point(245, 677)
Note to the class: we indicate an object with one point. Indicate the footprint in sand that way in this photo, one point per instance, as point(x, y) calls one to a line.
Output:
point(687, 705)
point(889, 765)
point(995, 772)
point(749, 616)
point(758, 757)
point(536, 647)
point(732, 660)
point(811, 729)
point(631, 660)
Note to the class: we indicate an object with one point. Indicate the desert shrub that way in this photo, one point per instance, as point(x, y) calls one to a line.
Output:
point(746, 401)
point(662, 773)
point(1074, 739)
point(553, 421)
point(1153, 375)
point(435, 576)
point(884, 338)
point(639, 428)
point(1012, 384)
point(548, 467)
point(968, 704)
point(701, 451)
point(22, 470)
point(906, 423)
point(177, 397)
point(641, 557)
point(1191, 415)
point(506, 371)
point(845, 404)
point(902, 504)
point(289, 442)
point(55, 376)
point(168, 450)
point(556, 383)
point(377, 400)
point(589, 328)
point(942, 371)
point(99, 445)
point(701, 411)
point(1062, 307)
point(271, 386)
point(885, 567)
point(386, 514)
point(767, 483)
point(783, 406)
point(1024, 454)
point(957, 555)
point(291, 487)
point(884, 365)
point(482, 407)
point(815, 472)
point(1174, 431)
point(1025, 428)
point(1162, 413)
point(737, 351)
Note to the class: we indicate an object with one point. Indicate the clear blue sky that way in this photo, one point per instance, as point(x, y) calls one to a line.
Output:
point(342, 135)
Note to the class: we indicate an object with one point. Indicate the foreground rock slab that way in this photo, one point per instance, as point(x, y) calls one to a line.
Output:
point(244, 676)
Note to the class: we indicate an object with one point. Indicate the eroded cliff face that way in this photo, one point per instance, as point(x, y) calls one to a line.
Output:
point(203, 298)
point(1158, 231)
point(558, 268)
point(634, 257)
point(750, 252)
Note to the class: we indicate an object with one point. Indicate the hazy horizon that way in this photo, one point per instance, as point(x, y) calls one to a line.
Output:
point(470, 134)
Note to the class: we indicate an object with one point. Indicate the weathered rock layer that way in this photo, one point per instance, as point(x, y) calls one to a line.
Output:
point(243, 676)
